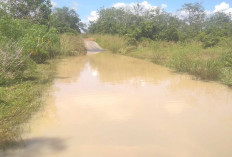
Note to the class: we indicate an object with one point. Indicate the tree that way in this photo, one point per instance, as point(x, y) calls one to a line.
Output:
point(195, 17)
point(217, 27)
point(34, 10)
point(66, 20)
point(136, 23)
point(219, 19)
point(110, 21)
point(3, 8)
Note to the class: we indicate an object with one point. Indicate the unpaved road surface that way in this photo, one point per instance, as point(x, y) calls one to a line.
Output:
point(92, 46)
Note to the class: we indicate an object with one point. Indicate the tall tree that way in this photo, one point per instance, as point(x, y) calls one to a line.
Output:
point(111, 21)
point(66, 20)
point(33, 10)
point(195, 16)
point(3, 8)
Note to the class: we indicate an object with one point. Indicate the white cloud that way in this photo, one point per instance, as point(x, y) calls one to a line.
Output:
point(74, 6)
point(146, 5)
point(223, 7)
point(93, 16)
point(229, 11)
point(181, 14)
point(143, 4)
point(54, 4)
point(119, 5)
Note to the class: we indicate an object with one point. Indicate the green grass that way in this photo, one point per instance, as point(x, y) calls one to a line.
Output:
point(20, 100)
point(214, 63)
point(23, 84)
point(114, 43)
point(72, 45)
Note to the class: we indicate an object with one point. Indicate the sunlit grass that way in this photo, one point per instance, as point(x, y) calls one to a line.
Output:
point(113, 43)
point(214, 63)
point(72, 45)
point(20, 100)
point(23, 83)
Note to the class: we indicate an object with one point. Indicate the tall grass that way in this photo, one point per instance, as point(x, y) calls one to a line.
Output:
point(18, 102)
point(72, 45)
point(23, 82)
point(13, 63)
point(114, 43)
point(214, 63)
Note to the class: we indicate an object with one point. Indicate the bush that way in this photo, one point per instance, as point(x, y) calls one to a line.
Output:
point(13, 63)
point(40, 44)
point(36, 40)
point(13, 28)
point(210, 41)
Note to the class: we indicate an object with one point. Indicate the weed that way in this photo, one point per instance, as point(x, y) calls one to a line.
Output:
point(72, 45)
point(213, 63)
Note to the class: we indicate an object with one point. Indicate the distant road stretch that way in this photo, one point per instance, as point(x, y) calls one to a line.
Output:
point(92, 46)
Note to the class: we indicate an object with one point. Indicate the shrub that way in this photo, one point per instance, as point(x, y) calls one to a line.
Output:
point(39, 43)
point(13, 63)
point(36, 40)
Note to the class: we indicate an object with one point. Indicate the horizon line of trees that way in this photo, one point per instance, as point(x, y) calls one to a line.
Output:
point(156, 24)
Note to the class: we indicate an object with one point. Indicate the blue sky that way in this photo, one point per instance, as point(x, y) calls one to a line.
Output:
point(85, 7)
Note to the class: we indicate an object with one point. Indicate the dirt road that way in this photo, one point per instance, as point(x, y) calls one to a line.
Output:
point(92, 47)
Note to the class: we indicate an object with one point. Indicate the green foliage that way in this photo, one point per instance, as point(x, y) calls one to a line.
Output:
point(13, 63)
point(227, 59)
point(213, 63)
point(111, 21)
point(65, 20)
point(218, 27)
point(138, 23)
point(195, 17)
point(72, 45)
point(114, 43)
point(20, 100)
point(27, 38)
point(12, 28)
point(36, 40)
point(39, 44)
point(209, 40)
point(37, 11)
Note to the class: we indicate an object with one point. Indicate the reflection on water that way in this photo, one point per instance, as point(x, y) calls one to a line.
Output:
point(109, 105)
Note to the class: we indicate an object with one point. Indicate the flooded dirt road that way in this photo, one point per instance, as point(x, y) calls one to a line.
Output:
point(107, 105)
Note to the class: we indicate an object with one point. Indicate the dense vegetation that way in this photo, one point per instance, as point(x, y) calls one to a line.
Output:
point(30, 36)
point(199, 44)
point(155, 24)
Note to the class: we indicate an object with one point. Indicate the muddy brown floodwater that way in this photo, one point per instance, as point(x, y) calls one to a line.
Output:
point(107, 105)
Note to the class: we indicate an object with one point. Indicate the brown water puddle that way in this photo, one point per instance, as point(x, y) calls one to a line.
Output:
point(108, 105)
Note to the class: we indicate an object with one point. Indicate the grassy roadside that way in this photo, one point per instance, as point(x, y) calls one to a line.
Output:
point(18, 101)
point(23, 96)
point(214, 63)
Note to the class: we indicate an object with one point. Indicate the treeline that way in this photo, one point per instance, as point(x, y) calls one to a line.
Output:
point(138, 23)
